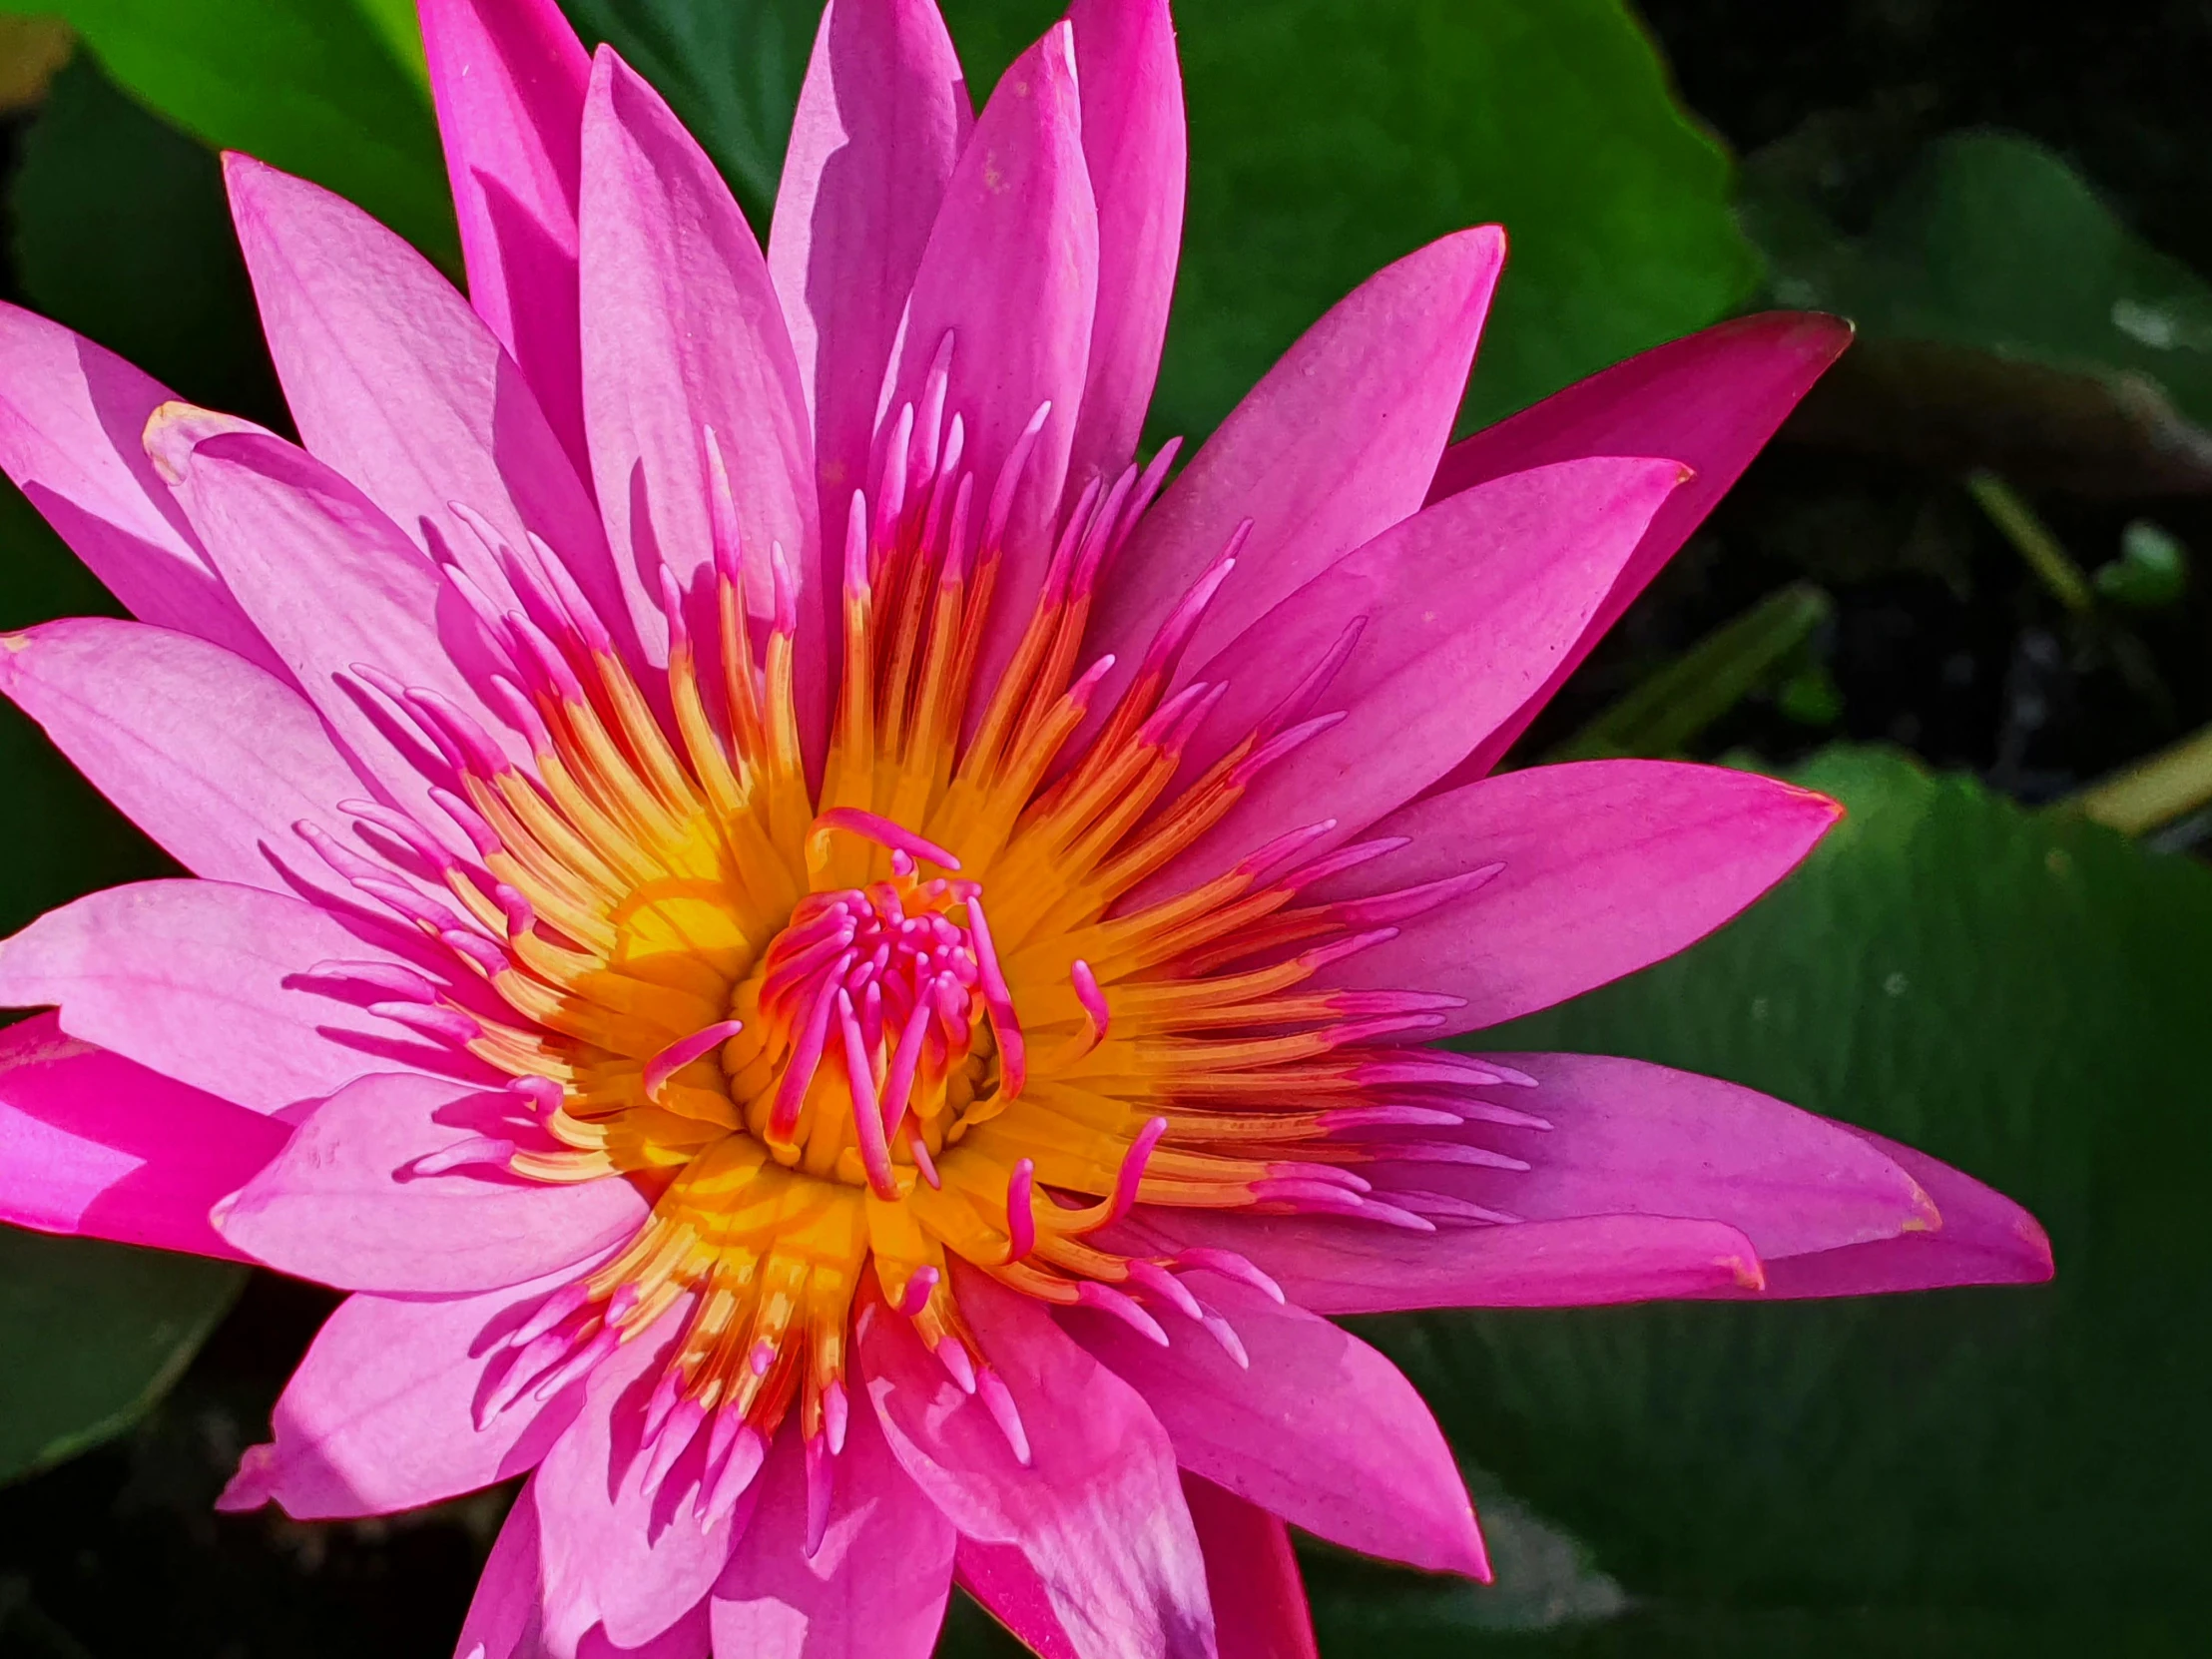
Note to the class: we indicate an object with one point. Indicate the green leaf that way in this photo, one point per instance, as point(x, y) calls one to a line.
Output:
point(120, 231)
point(95, 1333)
point(2152, 570)
point(312, 86)
point(730, 68)
point(2023, 997)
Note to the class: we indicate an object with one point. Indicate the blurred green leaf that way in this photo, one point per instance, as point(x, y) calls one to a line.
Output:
point(315, 87)
point(1968, 1472)
point(120, 231)
point(2152, 570)
point(731, 69)
point(95, 1333)
point(396, 21)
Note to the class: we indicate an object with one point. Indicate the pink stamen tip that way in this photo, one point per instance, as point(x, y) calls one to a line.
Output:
point(952, 1353)
point(476, 948)
point(1086, 684)
point(1106, 1299)
point(448, 1024)
point(1408, 902)
point(799, 1075)
point(1257, 865)
point(520, 914)
point(1281, 745)
point(1394, 1002)
point(469, 820)
point(1342, 859)
point(398, 981)
point(920, 1151)
point(666, 1393)
point(729, 536)
point(682, 1052)
point(898, 1082)
point(677, 1431)
point(1230, 1265)
point(1092, 999)
point(1131, 1176)
point(542, 1093)
point(999, 1402)
point(784, 590)
point(762, 1359)
point(885, 833)
point(915, 1296)
point(747, 1450)
point(624, 1302)
point(836, 1414)
point(1388, 1117)
point(477, 1148)
point(1021, 1220)
point(672, 609)
point(1322, 956)
point(551, 1312)
point(819, 1480)
point(1156, 1279)
point(1005, 1025)
point(1225, 1334)
point(1011, 476)
point(868, 1116)
point(855, 547)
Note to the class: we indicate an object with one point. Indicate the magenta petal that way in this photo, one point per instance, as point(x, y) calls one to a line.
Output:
point(1318, 1428)
point(875, 1587)
point(214, 757)
point(1096, 1512)
point(398, 385)
point(1610, 866)
point(208, 983)
point(1710, 401)
point(682, 334)
point(1008, 1588)
point(71, 416)
point(343, 1203)
point(382, 1413)
point(1334, 446)
point(504, 1617)
point(508, 78)
point(611, 1551)
point(1133, 141)
point(1252, 1573)
point(1345, 1266)
point(1984, 1238)
point(1461, 612)
point(1631, 1138)
point(332, 584)
point(1012, 273)
point(94, 1145)
point(881, 118)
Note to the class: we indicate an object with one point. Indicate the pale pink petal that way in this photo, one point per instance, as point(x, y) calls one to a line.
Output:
point(1133, 140)
point(1710, 401)
point(1096, 1511)
point(1608, 867)
point(1008, 1588)
point(1252, 1573)
point(1011, 272)
point(1984, 1238)
point(1459, 613)
point(334, 586)
point(214, 757)
point(681, 333)
point(1334, 1266)
point(346, 1204)
point(508, 79)
point(71, 416)
point(213, 985)
point(94, 1145)
point(1630, 1138)
point(1318, 1427)
point(610, 1550)
point(1334, 446)
point(881, 118)
point(382, 1413)
point(877, 1587)
point(397, 384)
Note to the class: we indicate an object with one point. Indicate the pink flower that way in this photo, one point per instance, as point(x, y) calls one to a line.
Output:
point(841, 968)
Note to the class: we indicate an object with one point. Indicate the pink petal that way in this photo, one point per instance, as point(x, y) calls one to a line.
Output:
point(877, 1587)
point(214, 757)
point(1461, 610)
point(1334, 446)
point(345, 1205)
point(1008, 1588)
point(210, 984)
point(1631, 1138)
point(1710, 401)
point(611, 1551)
point(1610, 866)
point(1096, 1512)
point(92, 1145)
point(881, 118)
point(1984, 1238)
point(70, 419)
point(1335, 1266)
point(1318, 1428)
point(1133, 141)
point(382, 1413)
point(1012, 273)
point(682, 332)
point(395, 384)
point(331, 583)
point(1252, 1573)
point(508, 78)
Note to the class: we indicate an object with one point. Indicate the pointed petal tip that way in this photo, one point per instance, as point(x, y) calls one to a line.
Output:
point(252, 1486)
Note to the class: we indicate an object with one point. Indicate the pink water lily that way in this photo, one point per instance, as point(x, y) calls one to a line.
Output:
point(841, 968)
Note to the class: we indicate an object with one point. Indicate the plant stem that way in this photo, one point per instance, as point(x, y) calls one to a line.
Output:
point(2153, 792)
point(2045, 554)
